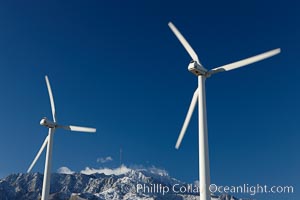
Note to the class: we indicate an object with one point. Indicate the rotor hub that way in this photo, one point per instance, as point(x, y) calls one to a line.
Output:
point(197, 69)
point(47, 123)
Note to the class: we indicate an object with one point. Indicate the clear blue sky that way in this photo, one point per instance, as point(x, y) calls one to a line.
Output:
point(115, 65)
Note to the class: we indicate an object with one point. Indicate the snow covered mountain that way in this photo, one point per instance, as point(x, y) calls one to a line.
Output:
point(122, 183)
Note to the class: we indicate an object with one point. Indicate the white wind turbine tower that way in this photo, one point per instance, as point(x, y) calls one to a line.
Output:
point(49, 142)
point(197, 69)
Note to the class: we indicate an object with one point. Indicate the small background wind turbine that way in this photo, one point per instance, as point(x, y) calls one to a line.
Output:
point(52, 125)
point(197, 69)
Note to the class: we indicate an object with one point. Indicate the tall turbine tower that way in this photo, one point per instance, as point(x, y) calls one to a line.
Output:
point(49, 142)
point(197, 69)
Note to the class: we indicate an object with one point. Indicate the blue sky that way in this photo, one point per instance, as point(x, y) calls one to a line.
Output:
point(115, 65)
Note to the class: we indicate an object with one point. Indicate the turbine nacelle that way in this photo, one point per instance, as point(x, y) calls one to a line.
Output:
point(197, 68)
point(47, 123)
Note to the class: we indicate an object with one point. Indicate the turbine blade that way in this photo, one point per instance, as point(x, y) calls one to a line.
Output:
point(187, 119)
point(51, 99)
point(78, 128)
point(38, 155)
point(246, 61)
point(184, 42)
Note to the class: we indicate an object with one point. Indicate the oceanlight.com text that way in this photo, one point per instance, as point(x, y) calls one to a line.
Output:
point(251, 189)
point(214, 189)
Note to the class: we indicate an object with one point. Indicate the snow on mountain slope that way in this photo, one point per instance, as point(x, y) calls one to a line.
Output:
point(112, 184)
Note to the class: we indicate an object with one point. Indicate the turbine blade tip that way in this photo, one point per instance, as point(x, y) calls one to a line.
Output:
point(171, 25)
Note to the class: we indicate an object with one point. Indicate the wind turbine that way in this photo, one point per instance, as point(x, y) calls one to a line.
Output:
point(197, 69)
point(52, 125)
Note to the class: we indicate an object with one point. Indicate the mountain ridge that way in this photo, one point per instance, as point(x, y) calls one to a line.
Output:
point(99, 186)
